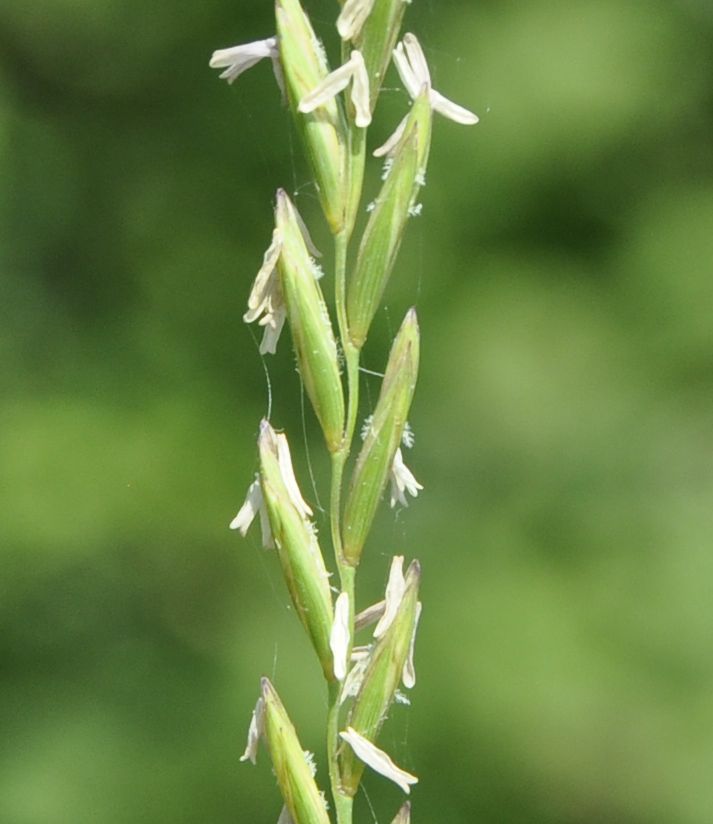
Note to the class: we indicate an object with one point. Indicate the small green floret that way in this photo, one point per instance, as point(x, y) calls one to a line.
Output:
point(311, 328)
point(382, 438)
point(382, 677)
point(323, 131)
point(294, 775)
point(387, 223)
point(298, 549)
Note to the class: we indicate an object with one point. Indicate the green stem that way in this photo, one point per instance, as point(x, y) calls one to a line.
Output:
point(342, 803)
point(351, 355)
point(355, 165)
point(341, 243)
point(335, 506)
point(339, 459)
point(351, 352)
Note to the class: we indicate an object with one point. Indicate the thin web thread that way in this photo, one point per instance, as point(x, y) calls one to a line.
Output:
point(273, 676)
point(256, 545)
point(368, 801)
point(297, 191)
point(268, 572)
point(268, 382)
point(308, 454)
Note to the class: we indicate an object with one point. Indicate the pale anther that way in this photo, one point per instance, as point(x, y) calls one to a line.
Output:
point(352, 18)
point(253, 506)
point(378, 760)
point(284, 460)
point(355, 678)
point(370, 615)
point(237, 59)
point(395, 588)
point(266, 304)
point(353, 71)
point(402, 481)
point(254, 732)
point(339, 636)
point(413, 70)
point(408, 676)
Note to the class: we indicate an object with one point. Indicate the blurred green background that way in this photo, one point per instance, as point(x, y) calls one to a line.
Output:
point(563, 273)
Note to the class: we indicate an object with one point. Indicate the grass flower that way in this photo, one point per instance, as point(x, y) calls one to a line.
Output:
point(363, 677)
point(413, 70)
point(414, 73)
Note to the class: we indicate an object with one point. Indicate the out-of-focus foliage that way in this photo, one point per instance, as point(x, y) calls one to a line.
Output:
point(563, 269)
